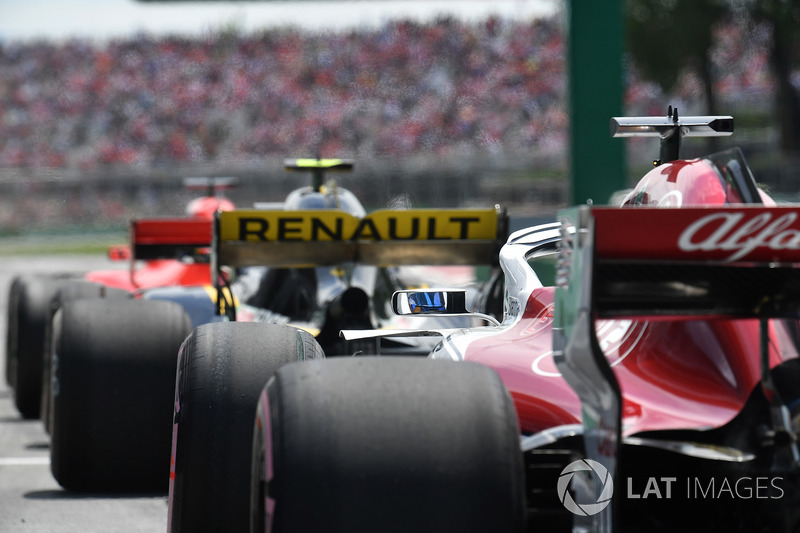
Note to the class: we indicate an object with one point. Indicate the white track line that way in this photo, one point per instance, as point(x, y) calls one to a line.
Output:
point(24, 461)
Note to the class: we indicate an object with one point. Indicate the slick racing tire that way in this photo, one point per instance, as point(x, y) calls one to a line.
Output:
point(66, 291)
point(28, 313)
point(113, 384)
point(386, 444)
point(222, 369)
point(12, 319)
point(32, 301)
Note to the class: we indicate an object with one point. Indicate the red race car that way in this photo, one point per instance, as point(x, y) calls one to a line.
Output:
point(644, 376)
point(163, 252)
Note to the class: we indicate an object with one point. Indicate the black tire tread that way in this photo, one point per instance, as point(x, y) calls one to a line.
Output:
point(409, 445)
point(114, 377)
point(222, 369)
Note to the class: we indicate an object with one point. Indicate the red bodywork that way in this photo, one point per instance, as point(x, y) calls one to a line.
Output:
point(674, 373)
point(687, 374)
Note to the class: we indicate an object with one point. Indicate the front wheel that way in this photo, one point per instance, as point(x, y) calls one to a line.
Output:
point(386, 444)
point(222, 368)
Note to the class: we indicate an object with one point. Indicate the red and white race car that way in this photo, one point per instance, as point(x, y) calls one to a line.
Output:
point(644, 376)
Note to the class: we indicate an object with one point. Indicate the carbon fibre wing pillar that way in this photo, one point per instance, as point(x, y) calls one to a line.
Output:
point(581, 362)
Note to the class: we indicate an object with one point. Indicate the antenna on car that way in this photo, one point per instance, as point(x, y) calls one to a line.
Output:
point(318, 167)
point(211, 184)
point(671, 129)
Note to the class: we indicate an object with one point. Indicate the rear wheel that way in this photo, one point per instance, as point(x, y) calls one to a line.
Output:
point(66, 291)
point(28, 315)
point(381, 443)
point(32, 301)
point(222, 369)
point(113, 384)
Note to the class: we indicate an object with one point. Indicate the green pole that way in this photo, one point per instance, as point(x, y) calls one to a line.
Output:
point(596, 91)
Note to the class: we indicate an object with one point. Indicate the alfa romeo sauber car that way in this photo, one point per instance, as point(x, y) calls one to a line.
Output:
point(315, 265)
point(651, 384)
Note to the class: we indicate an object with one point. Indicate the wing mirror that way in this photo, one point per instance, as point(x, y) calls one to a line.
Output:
point(430, 302)
point(434, 302)
point(119, 252)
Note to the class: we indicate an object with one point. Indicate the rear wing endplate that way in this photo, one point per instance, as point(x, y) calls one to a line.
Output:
point(704, 262)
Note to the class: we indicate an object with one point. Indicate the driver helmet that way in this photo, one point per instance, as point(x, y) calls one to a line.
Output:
point(206, 206)
point(328, 197)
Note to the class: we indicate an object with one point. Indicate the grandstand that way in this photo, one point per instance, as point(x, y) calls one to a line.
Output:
point(104, 131)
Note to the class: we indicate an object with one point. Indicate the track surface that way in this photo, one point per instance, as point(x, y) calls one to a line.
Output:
point(30, 499)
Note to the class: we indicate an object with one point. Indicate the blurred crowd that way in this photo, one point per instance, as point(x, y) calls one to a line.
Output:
point(406, 88)
point(227, 98)
point(235, 101)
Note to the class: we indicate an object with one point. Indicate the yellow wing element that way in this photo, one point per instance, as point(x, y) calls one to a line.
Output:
point(334, 225)
point(227, 296)
point(327, 164)
point(384, 238)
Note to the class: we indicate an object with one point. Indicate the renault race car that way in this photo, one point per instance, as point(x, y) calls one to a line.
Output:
point(313, 266)
point(162, 252)
point(643, 377)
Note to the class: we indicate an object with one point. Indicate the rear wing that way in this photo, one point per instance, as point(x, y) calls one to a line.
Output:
point(736, 262)
point(170, 238)
point(382, 238)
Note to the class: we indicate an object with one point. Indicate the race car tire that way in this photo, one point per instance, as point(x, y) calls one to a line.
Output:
point(28, 314)
point(113, 384)
point(386, 443)
point(11, 317)
point(66, 291)
point(222, 369)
